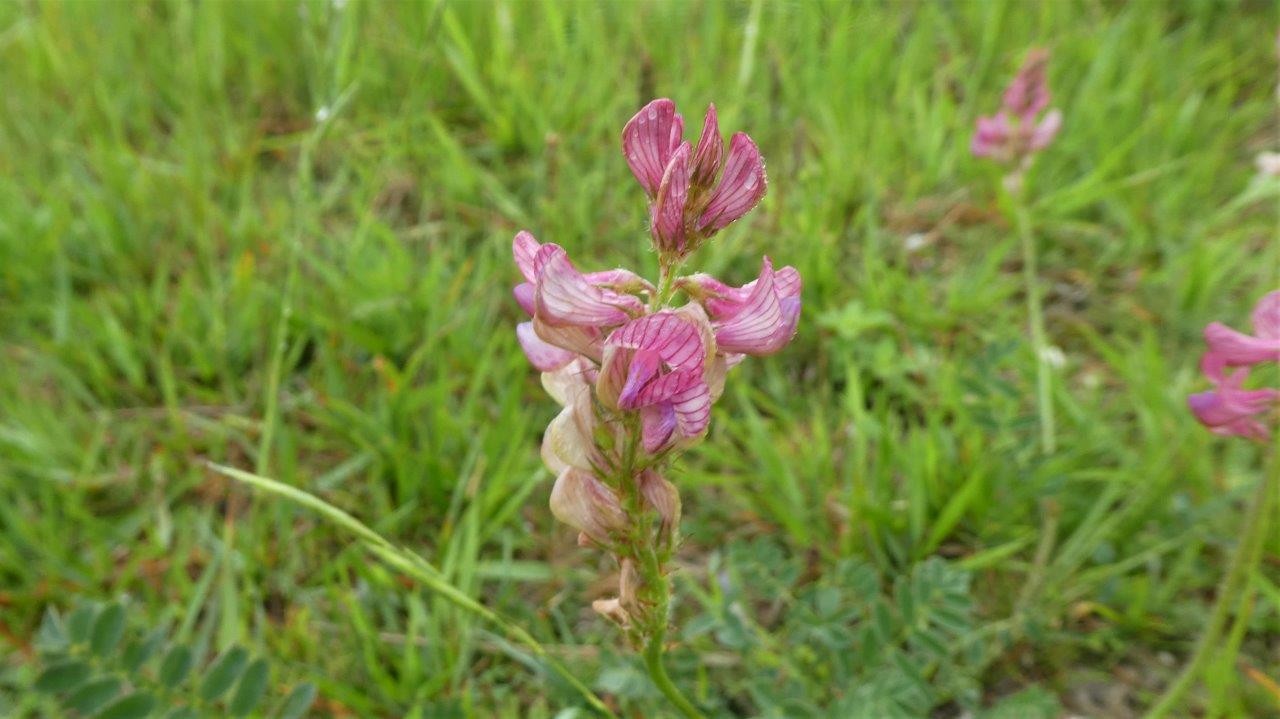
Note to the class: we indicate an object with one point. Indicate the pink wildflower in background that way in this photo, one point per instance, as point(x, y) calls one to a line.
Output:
point(1018, 130)
point(1229, 408)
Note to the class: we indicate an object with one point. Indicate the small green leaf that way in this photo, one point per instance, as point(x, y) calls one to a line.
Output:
point(52, 635)
point(108, 627)
point(94, 695)
point(253, 685)
point(299, 701)
point(134, 706)
point(80, 623)
point(63, 676)
point(138, 652)
point(224, 672)
point(175, 666)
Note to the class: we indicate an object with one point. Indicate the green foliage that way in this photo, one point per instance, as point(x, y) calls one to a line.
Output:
point(90, 674)
point(845, 643)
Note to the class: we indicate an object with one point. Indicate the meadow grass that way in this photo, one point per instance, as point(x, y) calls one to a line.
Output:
point(277, 236)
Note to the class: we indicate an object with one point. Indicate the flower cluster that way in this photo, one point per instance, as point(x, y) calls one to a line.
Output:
point(636, 376)
point(1229, 408)
point(1015, 133)
point(694, 192)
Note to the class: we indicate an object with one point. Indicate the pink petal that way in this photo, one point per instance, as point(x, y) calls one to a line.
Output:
point(647, 142)
point(545, 357)
point(645, 366)
point(1266, 316)
point(524, 295)
point(1237, 349)
point(667, 224)
point(1046, 130)
point(740, 188)
point(525, 248)
point(786, 282)
point(759, 326)
point(662, 496)
point(585, 341)
point(992, 137)
point(585, 503)
point(658, 389)
point(1028, 92)
point(657, 424)
point(676, 340)
point(565, 297)
point(706, 158)
point(693, 409)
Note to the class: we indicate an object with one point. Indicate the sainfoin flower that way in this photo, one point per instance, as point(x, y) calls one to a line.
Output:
point(1017, 131)
point(635, 372)
point(1229, 408)
point(697, 191)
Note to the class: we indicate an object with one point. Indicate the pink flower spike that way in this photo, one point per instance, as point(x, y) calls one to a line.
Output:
point(710, 150)
point(667, 224)
point(1238, 349)
point(648, 141)
point(741, 187)
point(543, 356)
point(564, 296)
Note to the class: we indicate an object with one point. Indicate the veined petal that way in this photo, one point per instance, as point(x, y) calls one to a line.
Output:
point(525, 248)
point(693, 409)
point(674, 338)
point(564, 296)
point(585, 341)
point(706, 157)
point(760, 326)
point(741, 186)
point(585, 503)
point(647, 142)
point(657, 424)
point(644, 367)
point(564, 384)
point(658, 389)
point(667, 223)
point(1266, 316)
point(545, 357)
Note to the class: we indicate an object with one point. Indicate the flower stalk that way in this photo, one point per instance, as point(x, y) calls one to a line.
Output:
point(635, 377)
point(1035, 319)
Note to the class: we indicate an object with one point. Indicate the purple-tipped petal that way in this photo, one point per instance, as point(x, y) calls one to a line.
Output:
point(586, 504)
point(657, 424)
point(524, 294)
point(667, 224)
point(565, 297)
point(647, 142)
point(545, 357)
point(710, 150)
point(525, 248)
point(658, 389)
point(741, 186)
point(759, 326)
point(1266, 316)
point(1045, 131)
point(645, 366)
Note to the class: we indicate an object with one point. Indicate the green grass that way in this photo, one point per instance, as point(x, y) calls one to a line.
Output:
point(194, 265)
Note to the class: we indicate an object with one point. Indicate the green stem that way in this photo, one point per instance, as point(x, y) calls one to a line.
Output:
point(1246, 559)
point(1035, 312)
point(418, 568)
point(651, 573)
